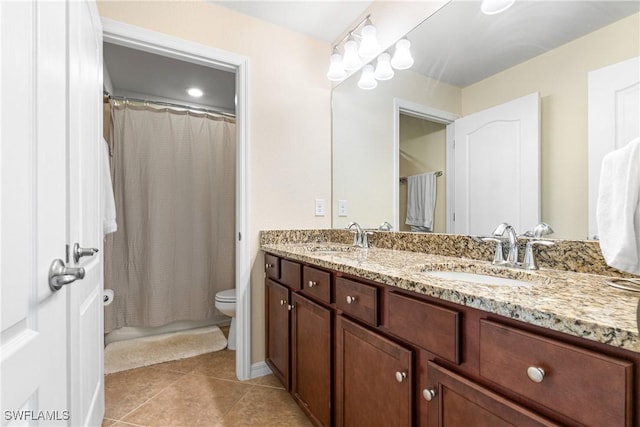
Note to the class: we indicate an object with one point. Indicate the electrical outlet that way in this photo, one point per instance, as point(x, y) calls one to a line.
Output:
point(342, 208)
point(319, 207)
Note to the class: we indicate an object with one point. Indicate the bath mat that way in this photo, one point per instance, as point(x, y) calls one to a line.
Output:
point(145, 351)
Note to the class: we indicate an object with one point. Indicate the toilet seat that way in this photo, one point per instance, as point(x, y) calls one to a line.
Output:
point(228, 295)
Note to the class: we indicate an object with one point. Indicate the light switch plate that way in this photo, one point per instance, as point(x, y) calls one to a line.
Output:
point(319, 207)
point(342, 208)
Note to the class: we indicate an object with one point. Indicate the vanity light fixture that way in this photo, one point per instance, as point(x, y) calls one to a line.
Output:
point(367, 80)
point(351, 59)
point(493, 7)
point(353, 54)
point(369, 46)
point(402, 58)
point(383, 68)
point(195, 92)
point(336, 67)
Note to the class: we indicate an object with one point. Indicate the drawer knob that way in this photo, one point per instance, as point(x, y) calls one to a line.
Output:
point(535, 374)
point(429, 394)
point(400, 376)
point(312, 283)
point(350, 299)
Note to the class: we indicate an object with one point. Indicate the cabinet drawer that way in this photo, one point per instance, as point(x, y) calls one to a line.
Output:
point(434, 328)
point(358, 300)
point(272, 266)
point(316, 283)
point(572, 379)
point(290, 274)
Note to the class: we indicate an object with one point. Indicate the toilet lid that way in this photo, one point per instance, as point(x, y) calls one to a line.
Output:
point(226, 295)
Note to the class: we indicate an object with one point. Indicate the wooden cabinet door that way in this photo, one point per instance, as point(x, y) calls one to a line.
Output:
point(374, 377)
point(458, 402)
point(311, 358)
point(277, 303)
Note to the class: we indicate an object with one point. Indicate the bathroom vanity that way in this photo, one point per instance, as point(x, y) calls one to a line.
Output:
point(368, 337)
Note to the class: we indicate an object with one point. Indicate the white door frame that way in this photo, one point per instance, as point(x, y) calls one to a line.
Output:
point(424, 112)
point(161, 44)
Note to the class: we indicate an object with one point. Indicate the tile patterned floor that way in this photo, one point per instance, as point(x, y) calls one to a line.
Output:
point(199, 391)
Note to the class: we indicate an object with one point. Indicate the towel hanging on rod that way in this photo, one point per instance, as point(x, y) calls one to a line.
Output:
point(403, 179)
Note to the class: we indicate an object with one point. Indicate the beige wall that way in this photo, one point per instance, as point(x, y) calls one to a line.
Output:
point(423, 149)
point(289, 116)
point(561, 78)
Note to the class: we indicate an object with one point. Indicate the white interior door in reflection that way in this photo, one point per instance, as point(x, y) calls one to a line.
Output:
point(614, 111)
point(497, 167)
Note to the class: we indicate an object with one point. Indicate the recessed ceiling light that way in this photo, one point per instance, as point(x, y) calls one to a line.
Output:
point(493, 7)
point(195, 92)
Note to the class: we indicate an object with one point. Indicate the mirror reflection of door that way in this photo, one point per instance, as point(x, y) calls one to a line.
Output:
point(422, 149)
point(497, 167)
point(491, 176)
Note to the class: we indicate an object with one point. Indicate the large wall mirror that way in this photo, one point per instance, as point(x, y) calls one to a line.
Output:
point(467, 62)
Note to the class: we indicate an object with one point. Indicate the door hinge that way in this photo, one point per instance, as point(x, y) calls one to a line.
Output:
point(239, 236)
point(67, 254)
point(454, 216)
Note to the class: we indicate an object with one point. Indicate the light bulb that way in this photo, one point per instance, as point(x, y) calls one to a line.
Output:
point(493, 7)
point(402, 58)
point(383, 69)
point(351, 60)
point(336, 68)
point(369, 46)
point(367, 80)
point(195, 92)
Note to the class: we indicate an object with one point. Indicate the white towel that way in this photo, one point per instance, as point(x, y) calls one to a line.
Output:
point(421, 200)
point(618, 208)
point(109, 224)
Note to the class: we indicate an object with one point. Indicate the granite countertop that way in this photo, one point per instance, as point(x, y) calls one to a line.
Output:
point(578, 304)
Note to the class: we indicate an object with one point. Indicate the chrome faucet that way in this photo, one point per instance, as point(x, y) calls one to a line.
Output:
point(498, 238)
point(357, 234)
point(385, 226)
point(512, 258)
point(360, 236)
point(535, 239)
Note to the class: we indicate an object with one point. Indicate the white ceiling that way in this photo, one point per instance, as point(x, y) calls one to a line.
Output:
point(458, 44)
point(138, 74)
point(324, 20)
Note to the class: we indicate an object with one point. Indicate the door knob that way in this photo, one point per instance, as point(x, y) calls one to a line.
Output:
point(59, 275)
point(79, 252)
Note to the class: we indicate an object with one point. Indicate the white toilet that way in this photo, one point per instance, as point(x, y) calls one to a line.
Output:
point(226, 303)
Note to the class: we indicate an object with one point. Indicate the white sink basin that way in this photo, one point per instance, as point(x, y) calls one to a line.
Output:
point(482, 279)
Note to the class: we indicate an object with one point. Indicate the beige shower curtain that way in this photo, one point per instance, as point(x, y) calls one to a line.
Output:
point(173, 175)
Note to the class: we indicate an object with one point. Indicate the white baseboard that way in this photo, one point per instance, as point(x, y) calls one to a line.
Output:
point(259, 369)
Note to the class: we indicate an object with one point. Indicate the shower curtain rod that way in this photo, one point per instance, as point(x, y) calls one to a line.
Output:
point(169, 104)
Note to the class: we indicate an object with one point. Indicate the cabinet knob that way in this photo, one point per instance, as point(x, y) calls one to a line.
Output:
point(268, 266)
point(400, 376)
point(312, 283)
point(283, 301)
point(429, 394)
point(535, 374)
point(290, 307)
point(350, 299)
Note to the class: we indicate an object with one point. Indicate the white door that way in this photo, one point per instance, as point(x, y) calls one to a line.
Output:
point(86, 331)
point(614, 112)
point(50, 347)
point(497, 167)
point(33, 340)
